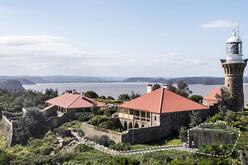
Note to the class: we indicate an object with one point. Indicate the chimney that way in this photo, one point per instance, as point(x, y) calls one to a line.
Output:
point(165, 86)
point(149, 88)
point(82, 94)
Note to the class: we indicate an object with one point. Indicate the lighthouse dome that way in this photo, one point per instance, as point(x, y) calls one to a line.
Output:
point(234, 38)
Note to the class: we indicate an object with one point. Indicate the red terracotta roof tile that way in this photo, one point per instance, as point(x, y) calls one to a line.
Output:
point(212, 94)
point(163, 101)
point(69, 100)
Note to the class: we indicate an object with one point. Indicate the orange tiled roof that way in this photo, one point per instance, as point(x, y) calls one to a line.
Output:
point(69, 100)
point(163, 101)
point(212, 95)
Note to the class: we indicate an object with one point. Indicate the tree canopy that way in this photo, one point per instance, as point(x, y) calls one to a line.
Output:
point(182, 88)
point(91, 94)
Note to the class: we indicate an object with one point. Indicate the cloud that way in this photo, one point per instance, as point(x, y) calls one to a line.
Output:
point(219, 24)
point(46, 54)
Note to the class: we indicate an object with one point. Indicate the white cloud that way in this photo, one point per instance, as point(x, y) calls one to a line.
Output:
point(45, 54)
point(220, 24)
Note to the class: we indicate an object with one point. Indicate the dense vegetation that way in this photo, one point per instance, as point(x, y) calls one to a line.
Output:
point(13, 101)
point(45, 149)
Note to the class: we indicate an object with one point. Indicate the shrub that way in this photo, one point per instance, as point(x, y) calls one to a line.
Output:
point(183, 134)
point(80, 132)
point(123, 160)
point(66, 141)
point(107, 124)
point(5, 157)
point(84, 117)
point(97, 120)
point(46, 150)
point(82, 148)
point(196, 98)
point(120, 146)
point(64, 132)
point(124, 97)
point(103, 140)
point(102, 97)
point(50, 138)
point(91, 94)
point(110, 98)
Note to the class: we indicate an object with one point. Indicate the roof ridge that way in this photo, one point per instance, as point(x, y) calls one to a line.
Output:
point(73, 101)
point(161, 100)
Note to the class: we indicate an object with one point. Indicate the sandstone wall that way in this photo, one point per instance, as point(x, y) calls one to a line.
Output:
point(90, 130)
point(7, 127)
point(199, 137)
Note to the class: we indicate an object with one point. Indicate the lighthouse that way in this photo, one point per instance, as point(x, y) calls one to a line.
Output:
point(234, 66)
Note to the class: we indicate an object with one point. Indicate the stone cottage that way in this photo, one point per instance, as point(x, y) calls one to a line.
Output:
point(73, 104)
point(158, 113)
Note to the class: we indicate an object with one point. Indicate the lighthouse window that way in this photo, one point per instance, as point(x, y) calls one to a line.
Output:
point(234, 48)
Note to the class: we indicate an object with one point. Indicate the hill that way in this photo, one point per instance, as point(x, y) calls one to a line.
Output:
point(188, 80)
point(11, 84)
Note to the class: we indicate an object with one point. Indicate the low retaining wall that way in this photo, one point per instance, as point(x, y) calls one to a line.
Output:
point(8, 130)
point(90, 130)
point(133, 136)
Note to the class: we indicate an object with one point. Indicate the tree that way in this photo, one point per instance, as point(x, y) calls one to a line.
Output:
point(110, 98)
point(181, 89)
point(196, 98)
point(134, 95)
point(156, 86)
point(124, 97)
point(226, 100)
point(102, 97)
point(183, 134)
point(91, 94)
point(195, 119)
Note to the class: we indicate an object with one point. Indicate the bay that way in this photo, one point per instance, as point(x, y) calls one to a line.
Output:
point(115, 89)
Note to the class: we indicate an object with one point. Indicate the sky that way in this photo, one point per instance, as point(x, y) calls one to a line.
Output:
point(118, 38)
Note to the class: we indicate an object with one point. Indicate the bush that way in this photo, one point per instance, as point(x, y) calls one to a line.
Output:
point(80, 132)
point(110, 98)
point(82, 148)
point(50, 138)
point(196, 98)
point(46, 150)
point(107, 124)
point(91, 94)
point(66, 141)
point(103, 140)
point(102, 97)
point(5, 157)
point(124, 97)
point(97, 120)
point(64, 132)
point(110, 111)
point(183, 134)
point(84, 117)
point(123, 161)
point(121, 146)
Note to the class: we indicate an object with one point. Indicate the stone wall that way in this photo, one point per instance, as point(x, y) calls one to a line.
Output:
point(198, 137)
point(133, 136)
point(90, 130)
point(56, 121)
point(143, 135)
point(8, 130)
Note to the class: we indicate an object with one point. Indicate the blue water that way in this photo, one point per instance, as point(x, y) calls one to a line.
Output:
point(115, 89)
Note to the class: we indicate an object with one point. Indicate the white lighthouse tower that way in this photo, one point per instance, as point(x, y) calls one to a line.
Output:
point(234, 49)
point(234, 66)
